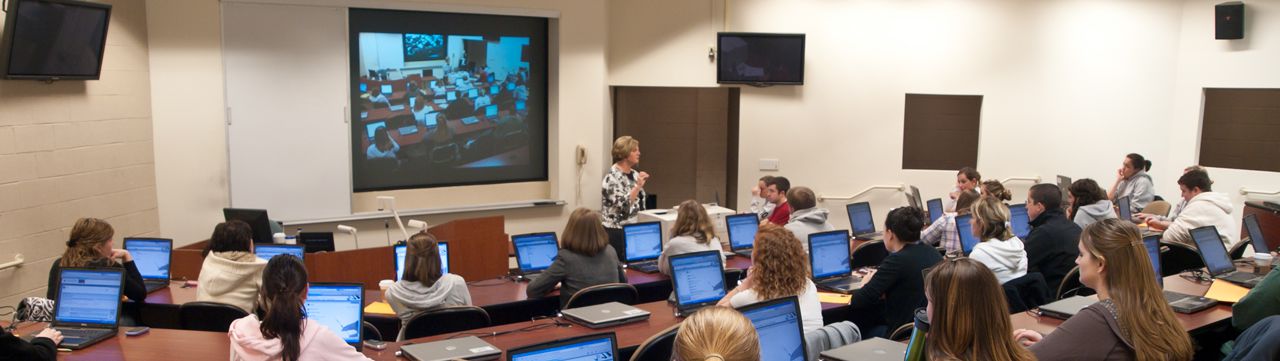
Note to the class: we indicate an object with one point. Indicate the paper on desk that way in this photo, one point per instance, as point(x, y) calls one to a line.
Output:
point(379, 308)
point(828, 297)
point(1226, 291)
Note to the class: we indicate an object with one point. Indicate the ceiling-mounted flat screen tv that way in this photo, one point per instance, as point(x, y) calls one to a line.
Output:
point(55, 39)
point(760, 58)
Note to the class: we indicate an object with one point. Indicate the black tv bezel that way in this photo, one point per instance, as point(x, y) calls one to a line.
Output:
point(720, 37)
point(11, 23)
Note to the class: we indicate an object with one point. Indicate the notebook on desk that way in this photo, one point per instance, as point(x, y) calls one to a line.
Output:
point(697, 279)
point(742, 232)
point(860, 221)
point(534, 253)
point(338, 306)
point(152, 256)
point(830, 263)
point(87, 307)
point(779, 324)
point(643, 243)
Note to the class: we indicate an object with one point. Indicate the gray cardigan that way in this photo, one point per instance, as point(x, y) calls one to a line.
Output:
point(575, 271)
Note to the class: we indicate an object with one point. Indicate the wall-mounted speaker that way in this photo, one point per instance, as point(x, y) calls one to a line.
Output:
point(1229, 20)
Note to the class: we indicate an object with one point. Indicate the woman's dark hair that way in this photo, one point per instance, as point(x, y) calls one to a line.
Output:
point(1139, 162)
point(283, 283)
point(382, 139)
point(229, 236)
point(905, 223)
point(1086, 192)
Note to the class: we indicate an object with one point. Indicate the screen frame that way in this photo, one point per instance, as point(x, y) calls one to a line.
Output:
point(359, 330)
point(519, 351)
point(169, 275)
point(1216, 243)
point(1026, 216)
point(520, 261)
point(847, 254)
point(10, 29)
point(720, 36)
point(966, 247)
point(1260, 240)
point(675, 283)
point(728, 230)
point(119, 292)
point(849, 212)
point(941, 209)
point(661, 242)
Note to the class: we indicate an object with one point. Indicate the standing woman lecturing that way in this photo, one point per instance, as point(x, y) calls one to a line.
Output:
point(622, 192)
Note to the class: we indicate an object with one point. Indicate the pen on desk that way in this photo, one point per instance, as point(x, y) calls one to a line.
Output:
point(64, 349)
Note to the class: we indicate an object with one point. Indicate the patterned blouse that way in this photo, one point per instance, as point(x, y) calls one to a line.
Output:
point(615, 207)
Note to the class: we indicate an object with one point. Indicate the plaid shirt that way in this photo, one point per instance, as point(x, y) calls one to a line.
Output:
point(943, 230)
point(614, 205)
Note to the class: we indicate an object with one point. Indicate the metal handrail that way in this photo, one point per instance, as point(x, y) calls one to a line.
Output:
point(900, 187)
point(1245, 191)
point(17, 261)
point(1035, 179)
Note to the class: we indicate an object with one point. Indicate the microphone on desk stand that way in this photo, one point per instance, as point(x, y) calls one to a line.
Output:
point(352, 231)
point(420, 225)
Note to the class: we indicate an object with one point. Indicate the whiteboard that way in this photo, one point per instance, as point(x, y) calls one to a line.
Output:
point(288, 141)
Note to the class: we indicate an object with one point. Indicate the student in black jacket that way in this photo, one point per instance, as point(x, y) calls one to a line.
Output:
point(899, 279)
point(91, 245)
point(1051, 245)
point(41, 348)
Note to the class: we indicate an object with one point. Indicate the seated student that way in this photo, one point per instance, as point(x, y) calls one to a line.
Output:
point(383, 146)
point(90, 245)
point(779, 269)
point(231, 273)
point(759, 205)
point(999, 249)
point(461, 108)
point(424, 286)
point(898, 280)
point(1177, 209)
point(285, 333)
point(376, 98)
point(43, 347)
point(966, 179)
point(1089, 203)
point(968, 314)
point(716, 333)
point(1051, 245)
point(483, 99)
point(942, 232)
point(1204, 208)
point(1262, 301)
point(1130, 321)
point(775, 192)
point(1133, 181)
point(692, 232)
point(585, 259)
point(806, 217)
point(993, 188)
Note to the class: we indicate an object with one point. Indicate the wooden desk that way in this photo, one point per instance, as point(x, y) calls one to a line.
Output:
point(1191, 322)
point(158, 344)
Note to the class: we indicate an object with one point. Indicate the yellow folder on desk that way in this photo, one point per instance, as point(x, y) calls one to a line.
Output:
point(828, 297)
point(1224, 291)
point(379, 308)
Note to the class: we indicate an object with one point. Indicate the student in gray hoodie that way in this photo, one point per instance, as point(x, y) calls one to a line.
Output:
point(1204, 208)
point(424, 286)
point(806, 217)
point(1133, 181)
point(1089, 203)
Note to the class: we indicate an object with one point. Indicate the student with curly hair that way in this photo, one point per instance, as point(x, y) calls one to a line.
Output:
point(780, 268)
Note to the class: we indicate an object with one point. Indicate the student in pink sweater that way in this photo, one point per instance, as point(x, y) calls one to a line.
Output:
point(284, 332)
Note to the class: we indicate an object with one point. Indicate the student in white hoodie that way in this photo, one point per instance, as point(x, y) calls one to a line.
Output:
point(1000, 250)
point(692, 232)
point(1089, 203)
point(424, 285)
point(806, 217)
point(231, 272)
point(1204, 208)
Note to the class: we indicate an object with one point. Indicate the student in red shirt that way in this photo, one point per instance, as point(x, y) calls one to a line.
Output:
point(775, 192)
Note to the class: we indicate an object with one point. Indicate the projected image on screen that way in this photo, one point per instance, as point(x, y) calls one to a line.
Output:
point(443, 99)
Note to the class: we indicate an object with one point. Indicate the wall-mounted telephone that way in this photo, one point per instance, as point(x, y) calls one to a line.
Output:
point(580, 155)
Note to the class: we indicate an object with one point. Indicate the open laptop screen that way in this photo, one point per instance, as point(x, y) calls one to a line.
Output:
point(1019, 221)
point(89, 297)
point(598, 347)
point(860, 218)
point(935, 209)
point(1123, 205)
point(267, 251)
point(829, 254)
point(535, 251)
point(338, 307)
point(402, 249)
point(742, 230)
point(151, 256)
point(965, 231)
point(1255, 234)
point(697, 277)
point(1152, 243)
point(643, 241)
point(778, 324)
point(1212, 250)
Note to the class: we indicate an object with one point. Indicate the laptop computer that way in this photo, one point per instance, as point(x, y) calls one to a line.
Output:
point(697, 279)
point(596, 347)
point(643, 242)
point(87, 307)
point(470, 120)
point(387, 90)
point(402, 249)
point(829, 261)
point(372, 128)
point(913, 198)
point(1064, 182)
point(779, 325)
point(534, 252)
point(451, 96)
point(313, 242)
point(965, 231)
point(1122, 208)
point(491, 111)
point(1255, 234)
point(935, 209)
point(1019, 221)
point(340, 307)
point(1214, 255)
point(493, 90)
point(466, 348)
point(152, 256)
point(873, 349)
point(1067, 307)
point(473, 93)
point(396, 107)
point(267, 251)
point(1179, 302)
point(860, 221)
point(742, 232)
point(605, 315)
point(520, 106)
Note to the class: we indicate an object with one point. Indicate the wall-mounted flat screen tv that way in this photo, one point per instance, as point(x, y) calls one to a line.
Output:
point(55, 39)
point(760, 58)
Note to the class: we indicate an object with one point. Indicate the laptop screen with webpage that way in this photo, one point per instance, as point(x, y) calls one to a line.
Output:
point(402, 249)
point(536, 251)
point(829, 254)
point(935, 209)
point(742, 230)
point(1255, 234)
point(965, 231)
point(89, 297)
point(860, 218)
point(697, 277)
point(339, 307)
point(643, 241)
point(1019, 221)
point(267, 251)
point(151, 255)
point(778, 324)
point(599, 347)
point(1152, 243)
point(1212, 250)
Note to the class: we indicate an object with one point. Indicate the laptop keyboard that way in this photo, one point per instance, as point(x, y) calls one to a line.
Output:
point(646, 267)
point(81, 333)
point(1170, 296)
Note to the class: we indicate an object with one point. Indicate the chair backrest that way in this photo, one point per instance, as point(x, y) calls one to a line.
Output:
point(1026, 292)
point(1177, 257)
point(371, 332)
point(208, 316)
point(605, 293)
point(902, 333)
point(829, 337)
point(732, 276)
point(658, 347)
point(1159, 208)
point(868, 254)
point(1237, 250)
point(445, 320)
